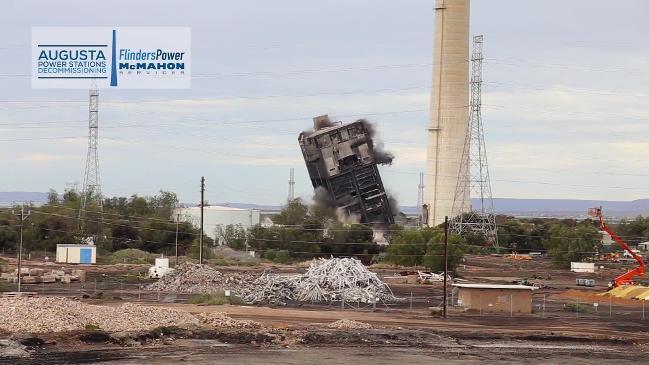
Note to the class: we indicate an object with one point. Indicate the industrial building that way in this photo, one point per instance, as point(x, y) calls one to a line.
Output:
point(215, 216)
point(341, 158)
point(495, 298)
point(449, 110)
point(76, 254)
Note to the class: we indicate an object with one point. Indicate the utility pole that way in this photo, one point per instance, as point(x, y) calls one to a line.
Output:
point(22, 216)
point(177, 223)
point(445, 260)
point(200, 239)
point(420, 200)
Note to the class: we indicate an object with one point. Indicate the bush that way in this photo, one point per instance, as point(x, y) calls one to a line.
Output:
point(214, 299)
point(575, 307)
point(132, 256)
point(278, 256)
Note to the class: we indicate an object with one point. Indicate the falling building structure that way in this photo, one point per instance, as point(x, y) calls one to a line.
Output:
point(342, 160)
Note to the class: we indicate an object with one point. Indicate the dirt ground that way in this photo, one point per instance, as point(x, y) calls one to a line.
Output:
point(405, 331)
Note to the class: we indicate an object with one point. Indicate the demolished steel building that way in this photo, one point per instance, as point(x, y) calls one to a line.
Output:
point(341, 158)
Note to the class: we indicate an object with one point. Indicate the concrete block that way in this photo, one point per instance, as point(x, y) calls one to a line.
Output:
point(7, 276)
point(81, 274)
point(412, 279)
point(48, 278)
point(31, 279)
point(58, 273)
point(36, 272)
point(74, 278)
point(24, 271)
point(66, 279)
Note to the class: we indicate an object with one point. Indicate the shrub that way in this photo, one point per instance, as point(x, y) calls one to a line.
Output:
point(133, 256)
point(214, 299)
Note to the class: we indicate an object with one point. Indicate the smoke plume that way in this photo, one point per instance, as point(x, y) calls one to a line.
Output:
point(381, 156)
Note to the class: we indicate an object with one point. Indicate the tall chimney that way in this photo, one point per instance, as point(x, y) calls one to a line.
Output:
point(449, 108)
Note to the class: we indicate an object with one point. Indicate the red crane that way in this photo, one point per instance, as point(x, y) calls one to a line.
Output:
point(624, 279)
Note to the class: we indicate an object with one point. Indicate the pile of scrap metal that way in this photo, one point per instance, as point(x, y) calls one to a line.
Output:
point(425, 277)
point(326, 280)
point(342, 159)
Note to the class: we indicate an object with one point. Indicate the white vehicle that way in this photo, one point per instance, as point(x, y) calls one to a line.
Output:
point(628, 255)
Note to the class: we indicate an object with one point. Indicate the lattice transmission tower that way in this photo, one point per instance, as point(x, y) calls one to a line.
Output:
point(91, 192)
point(474, 171)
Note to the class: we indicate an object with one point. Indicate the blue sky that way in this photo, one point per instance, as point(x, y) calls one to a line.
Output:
point(565, 97)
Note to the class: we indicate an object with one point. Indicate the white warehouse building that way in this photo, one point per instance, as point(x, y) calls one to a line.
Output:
point(218, 216)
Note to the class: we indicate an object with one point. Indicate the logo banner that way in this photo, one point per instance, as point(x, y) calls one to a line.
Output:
point(111, 57)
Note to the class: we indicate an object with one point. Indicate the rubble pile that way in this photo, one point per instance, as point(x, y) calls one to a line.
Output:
point(194, 278)
point(222, 320)
point(348, 324)
point(341, 278)
point(325, 280)
point(269, 288)
point(55, 314)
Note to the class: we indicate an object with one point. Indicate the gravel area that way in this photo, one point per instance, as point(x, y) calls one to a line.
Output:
point(55, 314)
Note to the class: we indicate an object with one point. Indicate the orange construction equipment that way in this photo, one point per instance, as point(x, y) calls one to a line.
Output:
point(626, 278)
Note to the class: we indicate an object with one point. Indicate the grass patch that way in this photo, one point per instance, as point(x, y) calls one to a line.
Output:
point(132, 256)
point(4, 286)
point(575, 307)
point(214, 299)
point(92, 327)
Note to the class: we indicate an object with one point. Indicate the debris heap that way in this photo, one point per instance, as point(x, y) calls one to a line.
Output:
point(341, 278)
point(55, 314)
point(325, 280)
point(194, 278)
point(347, 324)
point(222, 320)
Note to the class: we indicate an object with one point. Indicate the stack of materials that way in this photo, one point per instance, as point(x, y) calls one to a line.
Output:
point(195, 278)
point(37, 275)
point(628, 292)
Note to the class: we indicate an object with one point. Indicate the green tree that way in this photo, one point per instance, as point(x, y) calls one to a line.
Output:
point(408, 247)
point(566, 244)
point(434, 258)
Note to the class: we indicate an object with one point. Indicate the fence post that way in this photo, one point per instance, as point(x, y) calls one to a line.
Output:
point(543, 313)
point(511, 305)
point(95, 285)
point(480, 301)
point(643, 309)
point(411, 301)
point(610, 307)
point(139, 292)
point(577, 307)
point(342, 302)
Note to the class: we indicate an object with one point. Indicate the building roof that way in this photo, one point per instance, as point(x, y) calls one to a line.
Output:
point(496, 286)
point(75, 245)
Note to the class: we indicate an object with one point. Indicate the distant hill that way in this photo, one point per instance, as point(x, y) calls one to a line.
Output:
point(8, 198)
point(518, 207)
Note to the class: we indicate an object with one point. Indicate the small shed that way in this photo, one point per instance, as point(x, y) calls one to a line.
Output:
point(643, 246)
point(496, 298)
point(76, 254)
